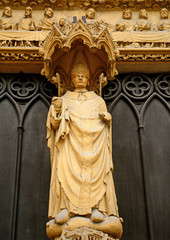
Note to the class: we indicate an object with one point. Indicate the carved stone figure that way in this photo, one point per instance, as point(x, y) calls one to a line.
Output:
point(143, 24)
point(90, 13)
point(79, 138)
point(7, 22)
point(65, 25)
point(125, 24)
point(27, 22)
point(47, 22)
point(164, 22)
point(94, 25)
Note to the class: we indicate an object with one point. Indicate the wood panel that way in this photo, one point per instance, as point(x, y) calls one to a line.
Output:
point(128, 172)
point(34, 176)
point(8, 157)
point(157, 162)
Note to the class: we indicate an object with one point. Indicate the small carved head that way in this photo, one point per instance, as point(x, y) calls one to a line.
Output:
point(62, 22)
point(48, 13)
point(127, 14)
point(90, 13)
point(7, 12)
point(80, 76)
point(164, 13)
point(28, 12)
point(143, 14)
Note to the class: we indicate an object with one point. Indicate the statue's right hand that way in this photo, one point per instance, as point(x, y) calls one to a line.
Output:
point(57, 102)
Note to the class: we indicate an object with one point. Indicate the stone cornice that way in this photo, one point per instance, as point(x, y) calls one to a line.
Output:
point(24, 46)
point(97, 4)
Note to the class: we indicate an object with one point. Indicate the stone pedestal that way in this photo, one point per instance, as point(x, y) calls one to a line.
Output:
point(84, 233)
point(82, 228)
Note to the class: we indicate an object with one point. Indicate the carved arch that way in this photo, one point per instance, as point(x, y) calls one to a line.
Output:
point(99, 44)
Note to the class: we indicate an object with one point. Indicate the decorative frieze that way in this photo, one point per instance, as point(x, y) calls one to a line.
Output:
point(98, 4)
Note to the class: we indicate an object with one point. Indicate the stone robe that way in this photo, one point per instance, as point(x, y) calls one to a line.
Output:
point(81, 157)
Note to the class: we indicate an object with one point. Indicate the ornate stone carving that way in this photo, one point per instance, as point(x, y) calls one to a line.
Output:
point(81, 31)
point(65, 25)
point(143, 57)
point(47, 22)
point(143, 24)
point(90, 13)
point(10, 56)
point(76, 227)
point(125, 24)
point(164, 23)
point(7, 22)
point(27, 23)
point(99, 4)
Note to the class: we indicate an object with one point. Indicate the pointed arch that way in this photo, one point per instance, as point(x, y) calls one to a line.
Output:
point(121, 95)
point(33, 100)
point(12, 101)
point(146, 104)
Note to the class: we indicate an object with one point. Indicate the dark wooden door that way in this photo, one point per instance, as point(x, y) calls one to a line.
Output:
point(140, 108)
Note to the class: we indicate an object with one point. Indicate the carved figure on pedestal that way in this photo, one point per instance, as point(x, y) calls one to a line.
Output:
point(164, 23)
point(125, 24)
point(7, 22)
point(47, 22)
point(27, 22)
point(79, 138)
point(143, 24)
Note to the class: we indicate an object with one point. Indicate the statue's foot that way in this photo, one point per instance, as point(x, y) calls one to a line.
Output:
point(62, 217)
point(97, 216)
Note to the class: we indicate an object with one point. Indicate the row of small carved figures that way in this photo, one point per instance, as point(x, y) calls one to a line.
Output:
point(27, 43)
point(27, 23)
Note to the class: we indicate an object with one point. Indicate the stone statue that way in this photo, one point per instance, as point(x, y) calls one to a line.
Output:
point(126, 23)
point(164, 23)
point(79, 138)
point(96, 26)
point(90, 13)
point(143, 24)
point(47, 22)
point(27, 22)
point(7, 22)
point(65, 25)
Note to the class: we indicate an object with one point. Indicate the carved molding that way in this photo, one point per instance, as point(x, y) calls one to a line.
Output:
point(72, 4)
point(144, 55)
point(20, 56)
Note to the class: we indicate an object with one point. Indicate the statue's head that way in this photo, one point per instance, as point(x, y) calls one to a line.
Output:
point(80, 76)
point(127, 14)
point(164, 13)
point(48, 13)
point(90, 13)
point(143, 14)
point(28, 12)
point(7, 12)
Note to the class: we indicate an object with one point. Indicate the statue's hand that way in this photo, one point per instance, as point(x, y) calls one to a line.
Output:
point(57, 102)
point(105, 116)
point(102, 116)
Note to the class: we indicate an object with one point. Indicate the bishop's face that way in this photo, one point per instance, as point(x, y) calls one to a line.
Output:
point(80, 81)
